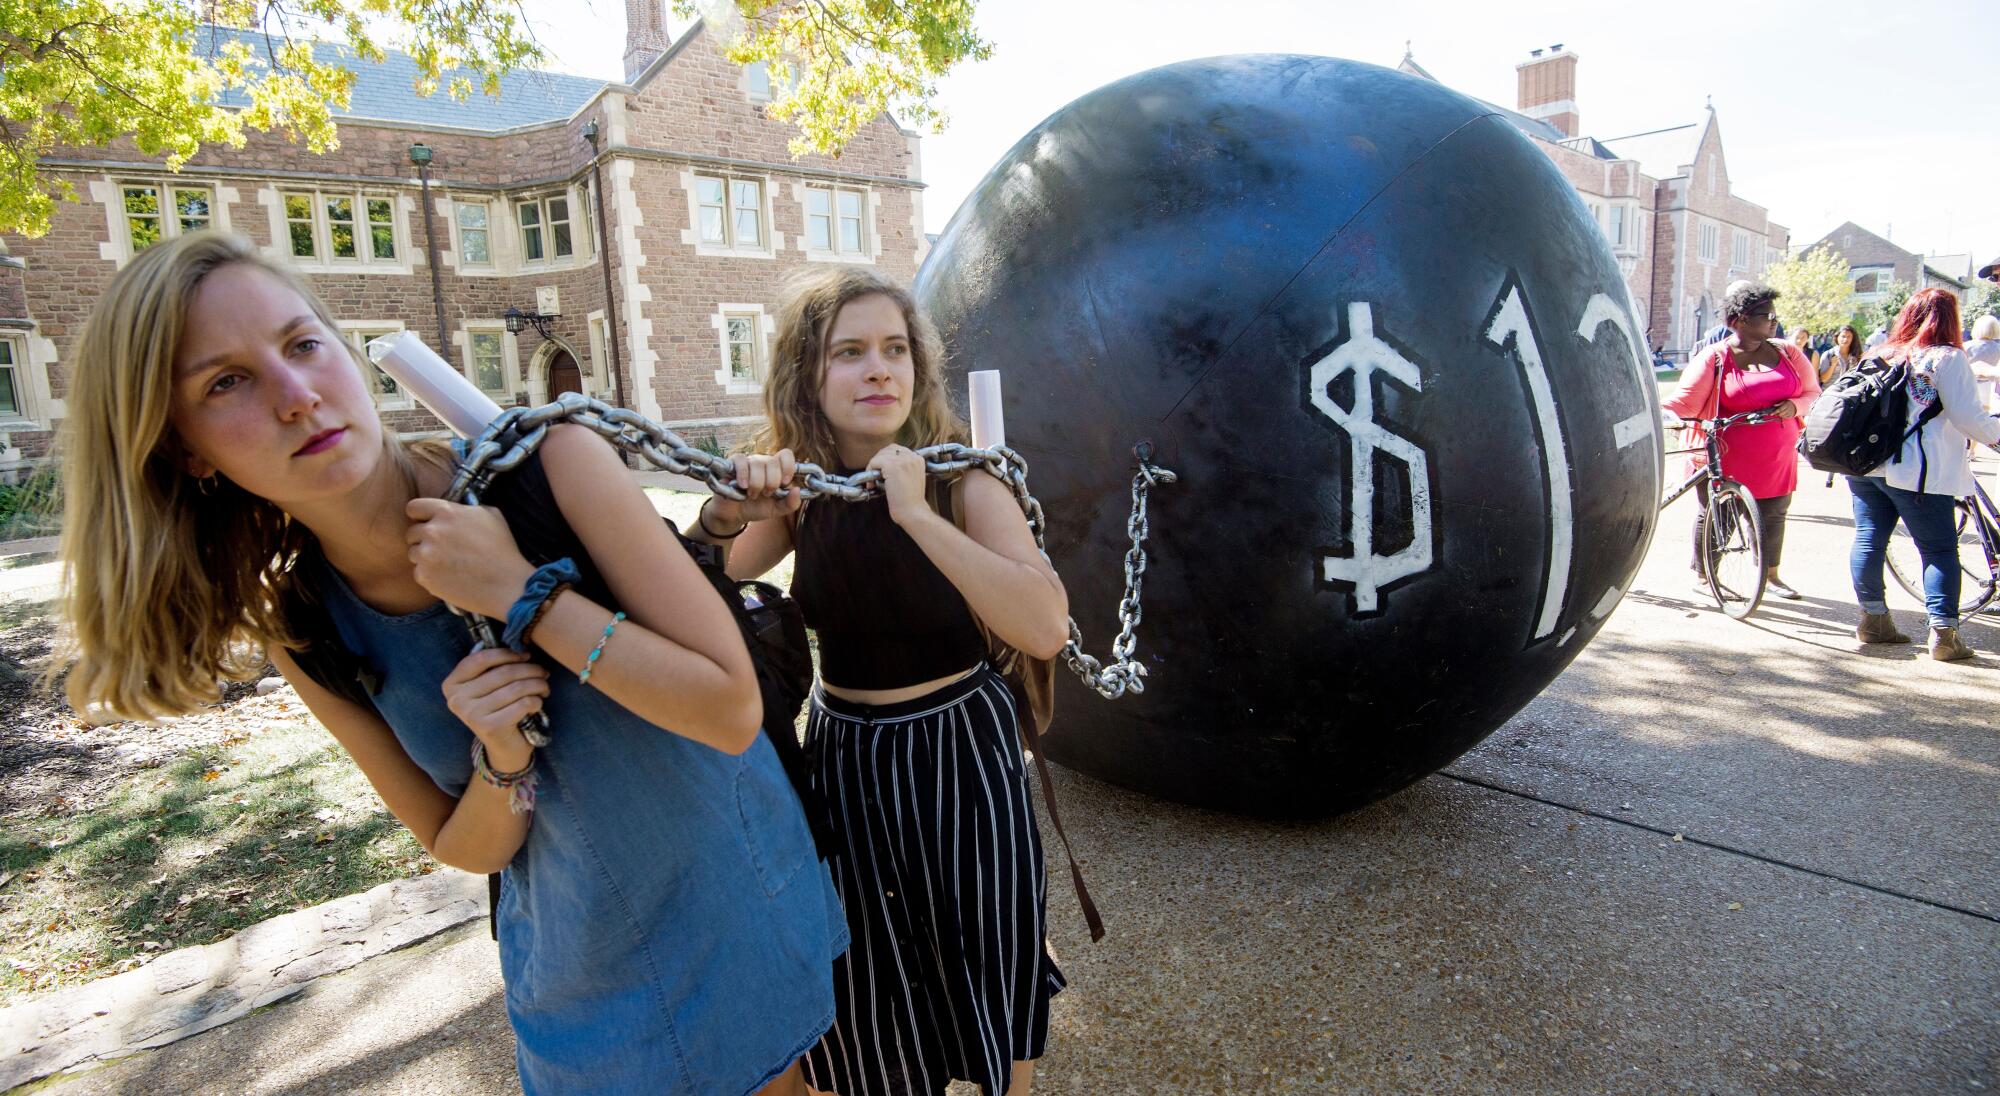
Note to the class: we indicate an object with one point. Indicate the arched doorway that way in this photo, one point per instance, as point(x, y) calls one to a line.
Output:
point(563, 374)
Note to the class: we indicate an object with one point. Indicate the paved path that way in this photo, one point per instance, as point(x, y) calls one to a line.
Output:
point(1523, 923)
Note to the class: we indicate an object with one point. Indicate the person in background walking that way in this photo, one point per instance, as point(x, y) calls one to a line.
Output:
point(1919, 486)
point(1843, 355)
point(1984, 353)
point(1752, 371)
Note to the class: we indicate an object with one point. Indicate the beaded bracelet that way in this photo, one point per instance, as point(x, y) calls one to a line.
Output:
point(597, 652)
point(519, 785)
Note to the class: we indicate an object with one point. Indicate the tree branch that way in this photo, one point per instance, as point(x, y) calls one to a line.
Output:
point(21, 45)
point(83, 62)
point(852, 34)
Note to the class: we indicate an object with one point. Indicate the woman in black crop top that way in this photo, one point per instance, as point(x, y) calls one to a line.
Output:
point(913, 738)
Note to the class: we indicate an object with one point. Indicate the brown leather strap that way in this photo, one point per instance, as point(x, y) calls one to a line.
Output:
point(945, 502)
point(1090, 915)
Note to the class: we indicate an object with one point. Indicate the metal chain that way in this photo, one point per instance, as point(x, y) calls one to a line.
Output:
point(1125, 674)
point(518, 431)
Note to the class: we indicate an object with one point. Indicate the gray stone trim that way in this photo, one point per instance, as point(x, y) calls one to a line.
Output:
point(189, 990)
point(114, 167)
point(641, 153)
point(100, 167)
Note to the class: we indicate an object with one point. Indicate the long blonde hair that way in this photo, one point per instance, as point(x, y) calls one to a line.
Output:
point(793, 418)
point(173, 585)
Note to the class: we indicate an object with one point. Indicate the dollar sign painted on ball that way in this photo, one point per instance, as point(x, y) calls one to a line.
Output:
point(1364, 354)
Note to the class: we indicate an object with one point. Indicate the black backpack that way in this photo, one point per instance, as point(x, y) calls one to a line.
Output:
point(1861, 420)
point(773, 626)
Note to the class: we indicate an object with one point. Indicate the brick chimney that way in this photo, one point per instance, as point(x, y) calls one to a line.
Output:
point(1548, 88)
point(645, 35)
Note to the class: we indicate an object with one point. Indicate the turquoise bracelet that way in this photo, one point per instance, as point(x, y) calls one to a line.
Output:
point(597, 652)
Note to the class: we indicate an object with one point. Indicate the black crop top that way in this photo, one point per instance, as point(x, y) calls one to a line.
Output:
point(886, 617)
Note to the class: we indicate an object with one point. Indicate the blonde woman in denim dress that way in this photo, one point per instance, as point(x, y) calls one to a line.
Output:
point(665, 926)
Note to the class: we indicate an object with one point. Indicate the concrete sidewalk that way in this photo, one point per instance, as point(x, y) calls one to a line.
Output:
point(1527, 922)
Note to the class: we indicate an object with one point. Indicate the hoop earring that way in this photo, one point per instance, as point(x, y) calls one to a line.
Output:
point(205, 485)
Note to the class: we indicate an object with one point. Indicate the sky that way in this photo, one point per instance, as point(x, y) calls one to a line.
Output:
point(1884, 114)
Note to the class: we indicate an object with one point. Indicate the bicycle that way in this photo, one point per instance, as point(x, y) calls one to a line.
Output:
point(1731, 540)
point(1978, 527)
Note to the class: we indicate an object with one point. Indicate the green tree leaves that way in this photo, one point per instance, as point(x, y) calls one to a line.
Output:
point(1813, 291)
point(1983, 299)
point(837, 64)
point(82, 73)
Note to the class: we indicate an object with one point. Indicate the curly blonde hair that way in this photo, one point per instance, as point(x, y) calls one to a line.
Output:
point(172, 586)
point(793, 417)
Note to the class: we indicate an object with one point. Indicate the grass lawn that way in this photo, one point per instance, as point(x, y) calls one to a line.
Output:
point(269, 820)
point(121, 841)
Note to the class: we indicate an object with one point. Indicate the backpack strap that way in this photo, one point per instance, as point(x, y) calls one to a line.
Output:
point(1908, 364)
point(946, 499)
point(322, 655)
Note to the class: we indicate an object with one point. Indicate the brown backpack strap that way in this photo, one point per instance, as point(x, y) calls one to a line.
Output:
point(1090, 915)
point(945, 502)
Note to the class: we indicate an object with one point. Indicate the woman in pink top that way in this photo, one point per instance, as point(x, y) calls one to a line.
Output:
point(1751, 371)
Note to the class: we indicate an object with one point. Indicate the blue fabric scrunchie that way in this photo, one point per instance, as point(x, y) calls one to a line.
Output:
point(540, 585)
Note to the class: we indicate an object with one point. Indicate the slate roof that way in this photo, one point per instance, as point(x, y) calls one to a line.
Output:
point(1956, 264)
point(1589, 146)
point(1533, 127)
point(386, 90)
point(1661, 153)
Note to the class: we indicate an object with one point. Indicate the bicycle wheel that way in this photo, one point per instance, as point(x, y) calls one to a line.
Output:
point(1977, 552)
point(1732, 548)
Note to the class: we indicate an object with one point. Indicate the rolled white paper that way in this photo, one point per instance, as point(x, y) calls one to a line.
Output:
point(432, 380)
point(989, 424)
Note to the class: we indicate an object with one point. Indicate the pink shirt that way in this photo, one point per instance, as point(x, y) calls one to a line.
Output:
point(1761, 458)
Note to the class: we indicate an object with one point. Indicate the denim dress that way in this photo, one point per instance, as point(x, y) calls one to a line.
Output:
point(667, 926)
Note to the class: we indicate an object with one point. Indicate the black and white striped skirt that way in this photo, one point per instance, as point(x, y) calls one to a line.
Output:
point(939, 864)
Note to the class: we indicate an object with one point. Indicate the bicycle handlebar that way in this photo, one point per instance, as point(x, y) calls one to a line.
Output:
point(1745, 418)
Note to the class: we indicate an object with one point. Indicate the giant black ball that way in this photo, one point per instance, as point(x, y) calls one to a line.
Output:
point(1390, 355)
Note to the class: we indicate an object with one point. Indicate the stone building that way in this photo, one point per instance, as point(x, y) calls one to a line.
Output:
point(1874, 264)
point(1662, 198)
point(656, 219)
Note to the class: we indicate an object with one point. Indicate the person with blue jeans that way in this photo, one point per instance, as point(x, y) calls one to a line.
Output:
point(1921, 484)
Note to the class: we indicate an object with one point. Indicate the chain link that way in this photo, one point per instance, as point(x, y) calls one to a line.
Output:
point(518, 431)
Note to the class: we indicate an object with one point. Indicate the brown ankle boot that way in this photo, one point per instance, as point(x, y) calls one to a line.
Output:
point(1879, 628)
point(1947, 647)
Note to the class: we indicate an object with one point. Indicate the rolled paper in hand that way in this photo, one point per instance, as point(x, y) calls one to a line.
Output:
point(433, 381)
point(989, 424)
